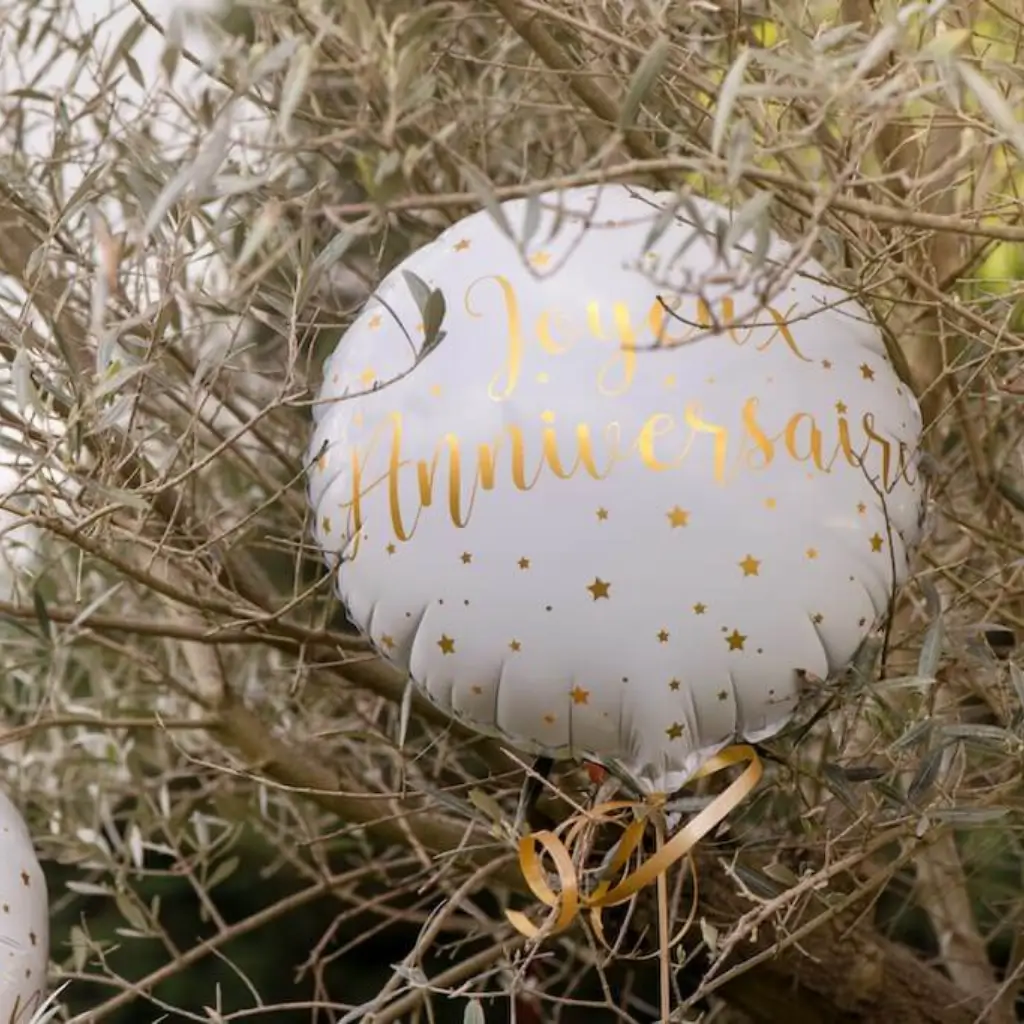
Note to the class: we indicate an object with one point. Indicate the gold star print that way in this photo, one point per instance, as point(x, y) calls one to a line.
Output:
point(543, 378)
point(515, 645)
point(375, 322)
point(462, 245)
point(466, 558)
point(841, 408)
point(750, 565)
point(674, 684)
point(866, 372)
point(524, 563)
point(827, 364)
point(327, 524)
point(670, 381)
point(674, 731)
point(699, 609)
point(877, 542)
point(817, 618)
point(550, 719)
point(25, 880)
point(862, 509)
point(387, 641)
point(662, 636)
point(476, 690)
point(770, 503)
point(599, 588)
point(540, 259)
point(735, 640)
point(812, 553)
point(579, 695)
point(447, 644)
point(321, 463)
point(677, 517)
point(548, 416)
point(602, 514)
point(368, 376)
point(390, 549)
point(722, 695)
point(435, 390)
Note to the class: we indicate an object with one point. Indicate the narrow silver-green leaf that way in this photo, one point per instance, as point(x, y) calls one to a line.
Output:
point(727, 96)
point(646, 74)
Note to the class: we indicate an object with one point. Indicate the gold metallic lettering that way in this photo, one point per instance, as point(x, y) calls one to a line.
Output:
point(718, 432)
point(514, 337)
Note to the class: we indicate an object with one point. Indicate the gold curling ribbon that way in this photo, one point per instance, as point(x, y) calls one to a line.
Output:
point(568, 900)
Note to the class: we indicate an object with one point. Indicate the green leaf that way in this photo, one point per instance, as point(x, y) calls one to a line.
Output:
point(927, 773)
point(646, 74)
point(484, 191)
point(473, 1013)
point(727, 96)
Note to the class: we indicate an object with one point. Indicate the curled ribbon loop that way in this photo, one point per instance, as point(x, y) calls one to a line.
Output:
point(561, 843)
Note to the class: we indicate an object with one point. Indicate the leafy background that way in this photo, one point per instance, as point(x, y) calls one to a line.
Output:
point(191, 214)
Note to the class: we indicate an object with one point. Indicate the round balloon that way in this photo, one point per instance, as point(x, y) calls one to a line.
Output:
point(602, 478)
point(24, 921)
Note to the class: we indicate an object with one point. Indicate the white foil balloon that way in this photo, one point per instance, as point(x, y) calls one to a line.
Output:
point(621, 501)
point(24, 921)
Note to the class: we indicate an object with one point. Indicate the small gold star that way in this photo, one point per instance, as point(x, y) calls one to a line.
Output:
point(549, 719)
point(866, 372)
point(602, 514)
point(548, 416)
point(462, 245)
point(877, 542)
point(750, 565)
point(543, 378)
point(524, 563)
point(368, 376)
point(841, 408)
point(466, 557)
point(600, 588)
point(327, 524)
point(515, 645)
point(677, 517)
point(722, 695)
point(862, 508)
point(25, 880)
point(375, 322)
point(817, 618)
point(674, 684)
point(699, 609)
point(387, 641)
point(321, 463)
point(447, 644)
point(579, 695)
point(662, 636)
point(540, 259)
point(812, 553)
point(435, 390)
point(670, 381)
point(827, 363)
point(32, 938)
point(735, 640)
point(476, 690)
point(674, 731)
point(770, 503)
point(390, 549)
